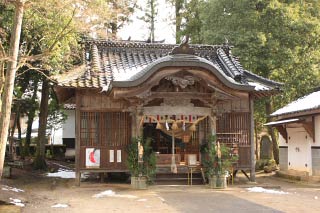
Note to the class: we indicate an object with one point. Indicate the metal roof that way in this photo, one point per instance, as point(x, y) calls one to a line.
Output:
point(275, 123)
point(307, 103)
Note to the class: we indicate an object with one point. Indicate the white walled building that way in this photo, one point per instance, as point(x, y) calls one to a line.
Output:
point(65, 134)
point(68, 128)
point(299, 126)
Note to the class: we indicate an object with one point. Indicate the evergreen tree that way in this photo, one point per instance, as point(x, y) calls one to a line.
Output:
point(276, 39)
point(150, 14)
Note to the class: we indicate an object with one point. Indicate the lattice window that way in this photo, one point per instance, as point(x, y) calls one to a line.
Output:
point(104, 128)
point(234, 128)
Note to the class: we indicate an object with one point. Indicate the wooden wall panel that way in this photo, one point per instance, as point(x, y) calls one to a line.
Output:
point(238, 105)
point(234, 129)
point(105, 131)
point(100, 102)
point(244, 157)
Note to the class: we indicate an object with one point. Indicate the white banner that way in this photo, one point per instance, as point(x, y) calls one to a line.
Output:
point(92, 158)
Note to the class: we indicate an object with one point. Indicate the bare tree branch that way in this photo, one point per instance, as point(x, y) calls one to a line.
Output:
point(37, 69)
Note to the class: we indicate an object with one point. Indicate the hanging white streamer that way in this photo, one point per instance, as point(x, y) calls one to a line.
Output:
point(167, 126)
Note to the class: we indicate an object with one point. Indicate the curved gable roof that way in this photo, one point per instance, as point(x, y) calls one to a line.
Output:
point(179, 60)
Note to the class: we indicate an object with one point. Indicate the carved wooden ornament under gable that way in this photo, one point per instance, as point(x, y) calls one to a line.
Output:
point(182, 82)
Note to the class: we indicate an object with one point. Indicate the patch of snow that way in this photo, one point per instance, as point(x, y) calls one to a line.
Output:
point(126, 196)
point(142, 200)
point(110, 193)
point(62, 173)
point(163, 200)
point(59, 205)
point(269, 191)
point(258, 86)
point(8, 188)
point(104, 193)
point(16, 202)
point(62, 166)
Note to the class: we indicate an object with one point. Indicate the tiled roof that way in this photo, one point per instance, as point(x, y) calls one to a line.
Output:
point(69, 106)
point(307, 103)
point(121, 63)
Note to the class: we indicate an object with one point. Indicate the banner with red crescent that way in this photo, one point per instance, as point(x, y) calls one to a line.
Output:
point(92, 158)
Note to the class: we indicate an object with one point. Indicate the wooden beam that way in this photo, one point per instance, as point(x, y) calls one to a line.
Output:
point(252, 151)
point(216, 89)
point(283, 131)
point(186, 95)
point(309, 127)
point(63, 94)
point(178, 110)
point(77, 144)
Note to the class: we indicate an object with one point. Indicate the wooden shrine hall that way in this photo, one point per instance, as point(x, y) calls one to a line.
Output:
point(125, 89)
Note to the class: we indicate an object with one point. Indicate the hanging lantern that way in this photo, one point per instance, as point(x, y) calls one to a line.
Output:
point(159, 126)
point(193, 127)
point(174, 126)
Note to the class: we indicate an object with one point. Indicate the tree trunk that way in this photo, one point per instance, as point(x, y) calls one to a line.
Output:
point(153, 14)
point(40, 162)
point(2, 55)
point(9, 80)
point(275, 147)
point(19, 135)
point(11, 141)
point(31, 116)
point(178, 7)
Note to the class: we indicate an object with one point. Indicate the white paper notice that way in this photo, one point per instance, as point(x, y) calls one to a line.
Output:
point(118, 156)
point(111, 156)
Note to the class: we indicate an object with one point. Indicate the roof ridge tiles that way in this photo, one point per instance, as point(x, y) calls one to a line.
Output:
point(132, 44)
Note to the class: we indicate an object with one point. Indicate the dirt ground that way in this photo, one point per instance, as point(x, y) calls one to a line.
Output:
point(41, 193)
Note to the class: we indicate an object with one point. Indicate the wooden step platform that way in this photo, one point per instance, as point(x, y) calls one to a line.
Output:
point(164, 176)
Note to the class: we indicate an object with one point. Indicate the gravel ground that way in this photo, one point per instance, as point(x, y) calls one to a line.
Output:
point(52, 194)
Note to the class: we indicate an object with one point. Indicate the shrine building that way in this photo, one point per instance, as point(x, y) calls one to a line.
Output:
point(125, 89)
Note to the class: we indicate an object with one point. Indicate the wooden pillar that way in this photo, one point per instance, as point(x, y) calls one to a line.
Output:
point(252, 156)
point(133, 115)
point(77, 143)
point(136, 114)
point(139, 122)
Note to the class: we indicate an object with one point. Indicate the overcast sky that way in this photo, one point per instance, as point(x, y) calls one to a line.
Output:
point(164, 29)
